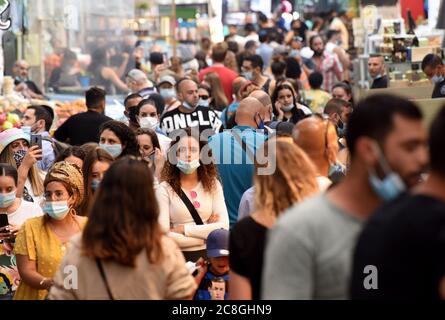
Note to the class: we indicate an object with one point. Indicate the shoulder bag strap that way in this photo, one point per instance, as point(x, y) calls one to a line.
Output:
point(104, 278)
point(191, 208)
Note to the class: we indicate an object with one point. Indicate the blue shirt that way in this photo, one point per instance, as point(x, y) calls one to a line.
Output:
point(235, 168)
point(266, 52)
point(203, 292)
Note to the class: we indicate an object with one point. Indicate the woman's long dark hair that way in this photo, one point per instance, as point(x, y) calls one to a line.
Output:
point(123, 220)
point(297, 114)
point(125, 135)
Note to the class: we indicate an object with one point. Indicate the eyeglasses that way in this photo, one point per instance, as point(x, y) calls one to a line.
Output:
point(204, 97)
point(196, 203)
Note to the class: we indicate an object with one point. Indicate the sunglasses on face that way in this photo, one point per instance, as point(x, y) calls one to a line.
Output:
point(204, 97)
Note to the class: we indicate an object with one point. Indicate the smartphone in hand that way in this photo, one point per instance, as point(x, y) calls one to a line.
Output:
point(36, 140)
point(4, 220)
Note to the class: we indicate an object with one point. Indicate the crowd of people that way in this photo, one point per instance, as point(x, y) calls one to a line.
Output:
point(254, 175)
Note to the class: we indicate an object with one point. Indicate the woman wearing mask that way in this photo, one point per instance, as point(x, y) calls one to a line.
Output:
point(285, 105)
point(15, 150)
point(150, 150)
point(15, 211)
point(74, 155)
point(190, 197)
point(96, 163)
point(117, 139)
point(217, 93)
point(273, 195)
point(148, 118)
point(42, 241)
point(137, 251)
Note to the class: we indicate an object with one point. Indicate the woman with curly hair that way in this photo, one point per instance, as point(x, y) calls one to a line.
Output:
point(273, 195)
point(190, 196)
point(118, 139)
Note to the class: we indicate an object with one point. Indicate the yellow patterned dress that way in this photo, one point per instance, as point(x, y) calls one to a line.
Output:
point(37, 241)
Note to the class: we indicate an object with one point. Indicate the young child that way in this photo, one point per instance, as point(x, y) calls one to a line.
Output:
point(316, 98)
point(214, 281)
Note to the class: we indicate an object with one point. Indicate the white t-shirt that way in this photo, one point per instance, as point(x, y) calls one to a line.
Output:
point(25, 211)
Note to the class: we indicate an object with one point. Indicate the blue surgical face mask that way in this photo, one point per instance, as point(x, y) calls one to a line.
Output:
point(437, 79)
point(7, 199)
point(248, 75)
point(187, 105)
point(57, 210)
point(167, 93)
point(204, 103)
point(261, 124)
point(95, 184)
point(294, 53)
point(26, 130)
point(188, 167)
point(114, 149)
point(389, 187)
point(341, 129)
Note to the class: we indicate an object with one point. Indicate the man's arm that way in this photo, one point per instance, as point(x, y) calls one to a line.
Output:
point(288, 265)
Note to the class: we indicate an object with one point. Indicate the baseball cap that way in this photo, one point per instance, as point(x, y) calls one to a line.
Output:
point(218, 243)
point(167, 79)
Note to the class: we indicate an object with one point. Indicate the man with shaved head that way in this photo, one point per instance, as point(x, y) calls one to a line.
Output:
point(234, 150)
point(231, 109)
point(318, 138)
point(265, 100)
point(189, 114)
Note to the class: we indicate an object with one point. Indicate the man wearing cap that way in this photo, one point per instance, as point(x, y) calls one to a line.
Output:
point(217, 266)
point(38, 120)
point(138, 83)
point(226, 75)
point(166, 88)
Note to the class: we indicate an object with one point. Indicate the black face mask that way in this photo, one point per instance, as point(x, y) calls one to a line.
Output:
point(318, 53)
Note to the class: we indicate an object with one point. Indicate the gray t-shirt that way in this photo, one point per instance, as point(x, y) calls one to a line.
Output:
point(309, 252)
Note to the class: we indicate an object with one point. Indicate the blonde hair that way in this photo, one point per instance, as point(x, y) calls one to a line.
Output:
point(293, 180)
point(33, 175)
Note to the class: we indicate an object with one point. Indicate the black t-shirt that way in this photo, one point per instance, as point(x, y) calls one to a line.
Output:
point(405, 241)
point(380, 83)
point(202, 117)
point(81, 128)
point(247, 243)
point(439, 90)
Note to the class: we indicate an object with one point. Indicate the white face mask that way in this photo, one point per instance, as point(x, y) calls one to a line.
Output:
point(148, 123)
point(287, 108)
